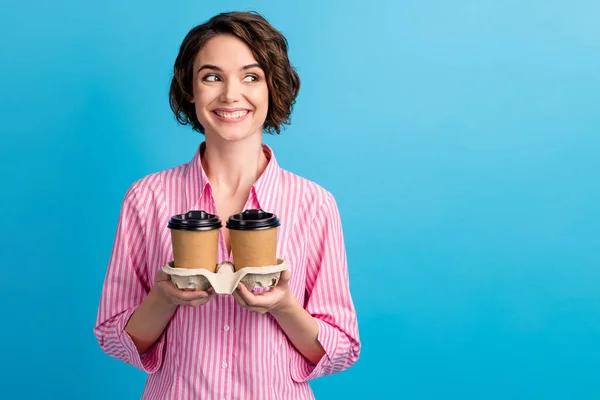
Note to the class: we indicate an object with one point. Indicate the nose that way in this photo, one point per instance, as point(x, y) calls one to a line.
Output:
point(231, 92)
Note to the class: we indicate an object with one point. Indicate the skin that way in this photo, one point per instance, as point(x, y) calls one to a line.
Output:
point(228, 77)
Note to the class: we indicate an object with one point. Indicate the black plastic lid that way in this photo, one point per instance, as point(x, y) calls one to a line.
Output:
point(195, 221)
point(252, 220)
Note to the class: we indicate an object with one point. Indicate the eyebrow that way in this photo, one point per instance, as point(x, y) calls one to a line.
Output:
point(215, 68)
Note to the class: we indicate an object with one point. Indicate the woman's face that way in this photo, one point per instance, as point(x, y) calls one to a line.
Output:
point(231, 96)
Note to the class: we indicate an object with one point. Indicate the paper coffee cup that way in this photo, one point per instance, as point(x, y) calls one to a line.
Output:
point(195, 240)
point(253, 236)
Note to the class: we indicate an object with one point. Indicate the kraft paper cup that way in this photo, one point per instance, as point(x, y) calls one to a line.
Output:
point(195, 240)
point(253, 236)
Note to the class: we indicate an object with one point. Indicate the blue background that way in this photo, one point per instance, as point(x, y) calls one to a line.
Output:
point(460, 139)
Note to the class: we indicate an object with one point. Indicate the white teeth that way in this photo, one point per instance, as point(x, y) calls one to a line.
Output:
point(233, 115)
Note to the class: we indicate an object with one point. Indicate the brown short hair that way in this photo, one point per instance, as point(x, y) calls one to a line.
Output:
point(268, 46)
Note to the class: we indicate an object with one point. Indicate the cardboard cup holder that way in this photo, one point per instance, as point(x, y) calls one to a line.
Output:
point(226, 279)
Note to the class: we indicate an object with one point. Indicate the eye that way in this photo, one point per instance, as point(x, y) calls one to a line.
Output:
point(211, 78)
point(250, 78)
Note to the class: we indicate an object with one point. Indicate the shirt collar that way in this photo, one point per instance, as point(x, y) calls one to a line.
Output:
point(266, 187)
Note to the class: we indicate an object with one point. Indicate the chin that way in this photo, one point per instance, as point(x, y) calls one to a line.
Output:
point(231, 135)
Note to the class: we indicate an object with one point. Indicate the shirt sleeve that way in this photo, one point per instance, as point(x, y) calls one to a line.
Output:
point(328, 298)
point(125, 287)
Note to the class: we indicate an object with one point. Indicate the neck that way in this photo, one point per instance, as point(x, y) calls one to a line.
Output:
point(233, 166)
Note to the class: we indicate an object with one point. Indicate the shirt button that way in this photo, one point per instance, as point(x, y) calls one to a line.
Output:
point(226, 328)
point(224, 365)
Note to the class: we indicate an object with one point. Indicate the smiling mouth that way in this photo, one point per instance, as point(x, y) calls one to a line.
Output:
point(231, 116)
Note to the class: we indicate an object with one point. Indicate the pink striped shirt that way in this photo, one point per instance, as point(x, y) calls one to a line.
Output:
point(221, 350)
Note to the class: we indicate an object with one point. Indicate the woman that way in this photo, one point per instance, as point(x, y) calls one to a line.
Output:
point(232, 81)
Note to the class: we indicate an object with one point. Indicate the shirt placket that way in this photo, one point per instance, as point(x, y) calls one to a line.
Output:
point(227, 305)
point(231, 319)
point(222, 363)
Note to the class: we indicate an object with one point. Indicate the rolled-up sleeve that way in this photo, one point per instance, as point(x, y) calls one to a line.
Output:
point(125, 287)
point(329, 300)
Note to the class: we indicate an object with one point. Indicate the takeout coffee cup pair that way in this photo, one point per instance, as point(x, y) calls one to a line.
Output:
point(195, 239)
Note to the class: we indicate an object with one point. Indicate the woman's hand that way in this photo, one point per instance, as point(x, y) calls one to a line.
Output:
point(275, 299)
point(167, 290)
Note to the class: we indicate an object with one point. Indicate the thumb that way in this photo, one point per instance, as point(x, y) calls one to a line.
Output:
point(285, 276)
point(162, 275)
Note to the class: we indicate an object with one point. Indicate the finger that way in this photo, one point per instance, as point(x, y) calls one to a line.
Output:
point(284, 277)
point(250, 298)
point(260, 310)
point(210, 290)
point(199, 302)
point(184, 295)
point(238, 298)
point(162, 275)
point(242, 292)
